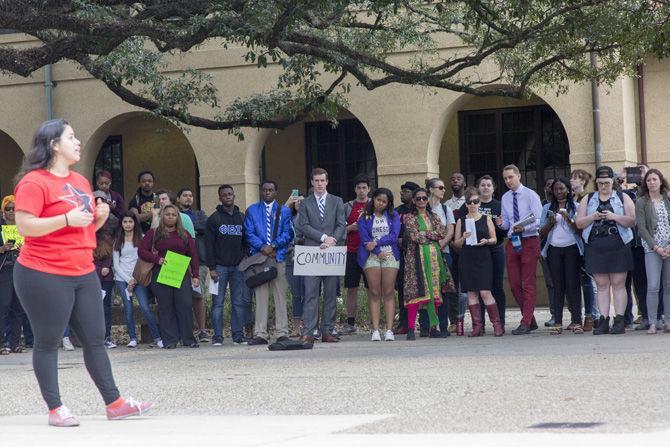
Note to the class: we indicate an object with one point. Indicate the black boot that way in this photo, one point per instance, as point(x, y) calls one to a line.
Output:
point(603, 326)
point(619, 325)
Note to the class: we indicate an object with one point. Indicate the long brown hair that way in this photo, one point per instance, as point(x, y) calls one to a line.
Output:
point(644, 191)
point(103, 246)
point(163, 233)
point(120, 236)
point(41, 154)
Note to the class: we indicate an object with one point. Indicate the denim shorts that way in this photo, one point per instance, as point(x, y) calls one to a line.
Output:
point(389, 263)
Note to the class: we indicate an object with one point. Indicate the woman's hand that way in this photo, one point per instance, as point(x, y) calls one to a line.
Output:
point(7, 247)
point(369, 246)
point(195, 282)
point(383, 255)
point(161, 261)
point(104, 271)
point(101, 211)
point(466, 235)
point(484, 241)
point(79, 218)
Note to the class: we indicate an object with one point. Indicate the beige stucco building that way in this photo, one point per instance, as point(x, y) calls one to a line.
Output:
point(396, 133)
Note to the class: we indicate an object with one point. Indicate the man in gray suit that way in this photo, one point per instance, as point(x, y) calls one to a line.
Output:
point(322, 222)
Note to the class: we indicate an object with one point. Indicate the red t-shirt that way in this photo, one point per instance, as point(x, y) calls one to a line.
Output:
point(353, 238)
point(68, 251)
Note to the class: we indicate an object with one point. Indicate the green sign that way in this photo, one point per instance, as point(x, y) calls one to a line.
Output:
point(173, 269)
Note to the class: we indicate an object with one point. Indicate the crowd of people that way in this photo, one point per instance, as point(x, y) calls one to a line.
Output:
point(441, 257)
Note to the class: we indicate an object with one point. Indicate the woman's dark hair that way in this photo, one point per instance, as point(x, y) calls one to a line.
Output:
point(120, 235)
point(414, 193)
point(103, 246)
point(569, 199)
point(370, 207)
point(41, 153)
point(162, 232)
point(644, 191)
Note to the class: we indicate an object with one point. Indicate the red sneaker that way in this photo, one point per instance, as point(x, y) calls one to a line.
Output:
point(62, 417)
point(123, 408)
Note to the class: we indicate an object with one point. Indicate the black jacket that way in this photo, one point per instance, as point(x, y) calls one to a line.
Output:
point(199, 219)
point(224, 235)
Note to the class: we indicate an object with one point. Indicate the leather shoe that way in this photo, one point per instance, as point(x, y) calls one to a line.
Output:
point(533, 324)
point(257, 341)
point(307, 339)
point(283, 338)
point(521, 330)
point(329, 338)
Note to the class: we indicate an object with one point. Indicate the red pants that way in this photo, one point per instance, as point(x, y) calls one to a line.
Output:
point(521, 269)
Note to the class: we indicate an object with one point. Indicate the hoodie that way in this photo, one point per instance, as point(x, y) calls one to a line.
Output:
point(224, 235)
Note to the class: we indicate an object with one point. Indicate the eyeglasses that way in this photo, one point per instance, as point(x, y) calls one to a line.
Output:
point(441, 187)
point(472, 202)
point(603, 183)
point(421, 198)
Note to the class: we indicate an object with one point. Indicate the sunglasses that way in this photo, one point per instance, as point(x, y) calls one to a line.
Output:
point(421, 198)
point(441, 187)
point(472, 202)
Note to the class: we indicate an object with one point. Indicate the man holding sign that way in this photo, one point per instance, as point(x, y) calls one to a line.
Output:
point(321, 220)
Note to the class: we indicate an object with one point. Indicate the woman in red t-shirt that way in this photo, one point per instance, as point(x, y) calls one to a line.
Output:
point(54, 275)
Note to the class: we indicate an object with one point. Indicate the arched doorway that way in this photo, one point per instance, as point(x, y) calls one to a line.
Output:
point(345, 151)
point(12, 157)
point(481, 135)
point(134, 142)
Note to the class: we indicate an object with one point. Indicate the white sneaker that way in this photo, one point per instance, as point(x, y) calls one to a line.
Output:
point(389, 336)
point(109, 344)
point(159, 343)
point(132, 344)
point(67, 344)
point(376, 336)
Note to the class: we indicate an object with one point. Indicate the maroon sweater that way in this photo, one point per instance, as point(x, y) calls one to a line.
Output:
point(173, 243)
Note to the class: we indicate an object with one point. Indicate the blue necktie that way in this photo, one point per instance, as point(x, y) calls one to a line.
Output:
point(268, 224)
point(322, 207)
point(515, 206)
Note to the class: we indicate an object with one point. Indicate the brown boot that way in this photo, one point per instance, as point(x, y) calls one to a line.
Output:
point(494, 316)
point(460, 331)
point(588, 324)
point(476, 315)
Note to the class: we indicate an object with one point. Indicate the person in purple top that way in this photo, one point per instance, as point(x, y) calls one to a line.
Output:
point(521, 260)
point(379, 257)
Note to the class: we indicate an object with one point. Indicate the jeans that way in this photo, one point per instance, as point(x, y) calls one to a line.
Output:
point(142, 294)
point(658, 273)
point(108, 287)
point(588, 292)
point(297, 286)
point(638, 280)
point(240, 300)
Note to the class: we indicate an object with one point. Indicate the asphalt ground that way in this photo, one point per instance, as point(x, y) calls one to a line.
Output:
point(539, 386)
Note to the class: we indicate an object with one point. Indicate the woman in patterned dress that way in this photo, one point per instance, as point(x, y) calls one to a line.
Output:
point(426, 275)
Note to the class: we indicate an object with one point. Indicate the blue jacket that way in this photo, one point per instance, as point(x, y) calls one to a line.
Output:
point(255, 229)
point(365, 232)
point(543, 221)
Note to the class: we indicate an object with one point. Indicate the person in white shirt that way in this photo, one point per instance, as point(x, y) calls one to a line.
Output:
point(124, 256)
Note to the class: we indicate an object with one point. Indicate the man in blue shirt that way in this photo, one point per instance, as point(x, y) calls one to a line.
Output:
point(517, 203)
point(268, 229)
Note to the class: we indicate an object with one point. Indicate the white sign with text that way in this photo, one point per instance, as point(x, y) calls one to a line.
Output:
point(313, 261)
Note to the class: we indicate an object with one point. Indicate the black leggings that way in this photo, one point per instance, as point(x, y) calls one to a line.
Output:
point(52, 302)
point(564, 265)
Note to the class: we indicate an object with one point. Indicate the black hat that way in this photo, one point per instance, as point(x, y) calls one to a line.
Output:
point(410, 185)
point(604, 172)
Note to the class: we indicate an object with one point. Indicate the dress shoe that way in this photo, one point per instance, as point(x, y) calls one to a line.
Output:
point(329, 338)
point(282, 338)
point(521, 330)
point(423, 333)
point(307, 339)
point(550, 322)
point(533, 324)
point(411, 335)
point(257, 341)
